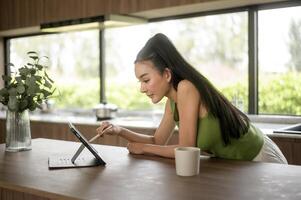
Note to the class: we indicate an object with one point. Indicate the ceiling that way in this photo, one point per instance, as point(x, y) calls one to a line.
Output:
point(199, 7)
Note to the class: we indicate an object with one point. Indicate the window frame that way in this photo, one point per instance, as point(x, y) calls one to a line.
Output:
point(252, 12)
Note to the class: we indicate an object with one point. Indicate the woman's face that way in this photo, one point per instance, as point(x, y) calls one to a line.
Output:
point(154, 84)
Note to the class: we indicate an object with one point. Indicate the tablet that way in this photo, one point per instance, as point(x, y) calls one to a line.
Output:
point(73, 161)
point(85, 142)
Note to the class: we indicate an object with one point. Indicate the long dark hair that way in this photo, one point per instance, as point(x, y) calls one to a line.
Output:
point(160, 50)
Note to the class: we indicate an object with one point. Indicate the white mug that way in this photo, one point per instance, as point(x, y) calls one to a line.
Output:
point(187, 161)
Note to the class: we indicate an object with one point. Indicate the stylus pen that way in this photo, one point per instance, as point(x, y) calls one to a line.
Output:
point(82, 146)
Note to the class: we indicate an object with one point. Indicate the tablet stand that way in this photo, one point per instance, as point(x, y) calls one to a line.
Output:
point(79, 150)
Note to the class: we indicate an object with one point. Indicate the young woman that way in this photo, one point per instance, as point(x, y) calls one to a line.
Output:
point(205, 118)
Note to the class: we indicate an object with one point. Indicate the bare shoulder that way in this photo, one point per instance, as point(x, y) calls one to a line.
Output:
point(186, 86)
point(187, 92)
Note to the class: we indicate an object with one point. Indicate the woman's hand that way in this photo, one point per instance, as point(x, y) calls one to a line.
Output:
point(135, 148)
point(108, 128)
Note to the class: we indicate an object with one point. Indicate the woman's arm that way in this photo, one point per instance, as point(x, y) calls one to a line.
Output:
point(152, 149)
point(111, 129)
point(161, 135)
point(188, 104)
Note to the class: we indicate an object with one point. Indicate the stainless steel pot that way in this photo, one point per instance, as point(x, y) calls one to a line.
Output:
point(105, 111)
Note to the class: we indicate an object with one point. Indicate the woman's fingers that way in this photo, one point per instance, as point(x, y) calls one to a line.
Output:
point(101, 127)
point(107, 129)
point(104, 128)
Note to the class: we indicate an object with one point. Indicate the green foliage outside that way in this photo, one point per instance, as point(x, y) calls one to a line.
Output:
point(278, 94)
point(237, 92)
point(80, 94)
point(130, 98)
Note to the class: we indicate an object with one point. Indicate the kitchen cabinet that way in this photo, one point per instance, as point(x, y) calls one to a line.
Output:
point(20, 13)
point(286, 146)
point(297, 152)
point(16, 14)
point(290, 147)
point(58, 10)
point(60, 131)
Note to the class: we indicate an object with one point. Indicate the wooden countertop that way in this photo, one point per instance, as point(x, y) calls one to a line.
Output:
point(129, 176)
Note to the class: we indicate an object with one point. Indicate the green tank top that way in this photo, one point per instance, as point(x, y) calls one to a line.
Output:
point(209, 138)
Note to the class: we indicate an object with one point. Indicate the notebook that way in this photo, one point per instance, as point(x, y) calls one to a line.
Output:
point(73, 161)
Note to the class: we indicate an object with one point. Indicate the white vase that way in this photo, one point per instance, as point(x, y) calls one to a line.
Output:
point(18, 135)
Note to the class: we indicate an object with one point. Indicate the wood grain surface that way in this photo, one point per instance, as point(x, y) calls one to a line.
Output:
point(142, 177)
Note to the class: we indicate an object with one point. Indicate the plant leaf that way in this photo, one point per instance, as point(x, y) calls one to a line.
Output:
point(24, 71)
point(32, 52)
point(49, 78)
point(40, 67)
point(23, 104)
point(34, 57)
point(20, 88)
point(28, 86)
point(32, 71)
point(10, 65)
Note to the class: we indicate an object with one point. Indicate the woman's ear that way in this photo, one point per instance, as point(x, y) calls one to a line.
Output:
point(167, 74)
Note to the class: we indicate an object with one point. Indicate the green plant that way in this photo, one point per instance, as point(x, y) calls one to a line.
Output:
point(28, 87)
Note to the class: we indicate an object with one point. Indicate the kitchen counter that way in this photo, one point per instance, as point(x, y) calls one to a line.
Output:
point(140, 177)
point(151, 122)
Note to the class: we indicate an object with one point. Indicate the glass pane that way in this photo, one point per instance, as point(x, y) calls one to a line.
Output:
point(280, 61)
point(73, 64)
point(215, 45)
point(122, 87)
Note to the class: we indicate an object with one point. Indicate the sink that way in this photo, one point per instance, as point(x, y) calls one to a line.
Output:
point(294, 129)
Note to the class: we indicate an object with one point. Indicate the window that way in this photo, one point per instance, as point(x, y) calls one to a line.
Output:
point(74, 64)
point(280, 61)
point(215, 45)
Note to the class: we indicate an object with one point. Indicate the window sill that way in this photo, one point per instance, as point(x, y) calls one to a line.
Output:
point(275, 119)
